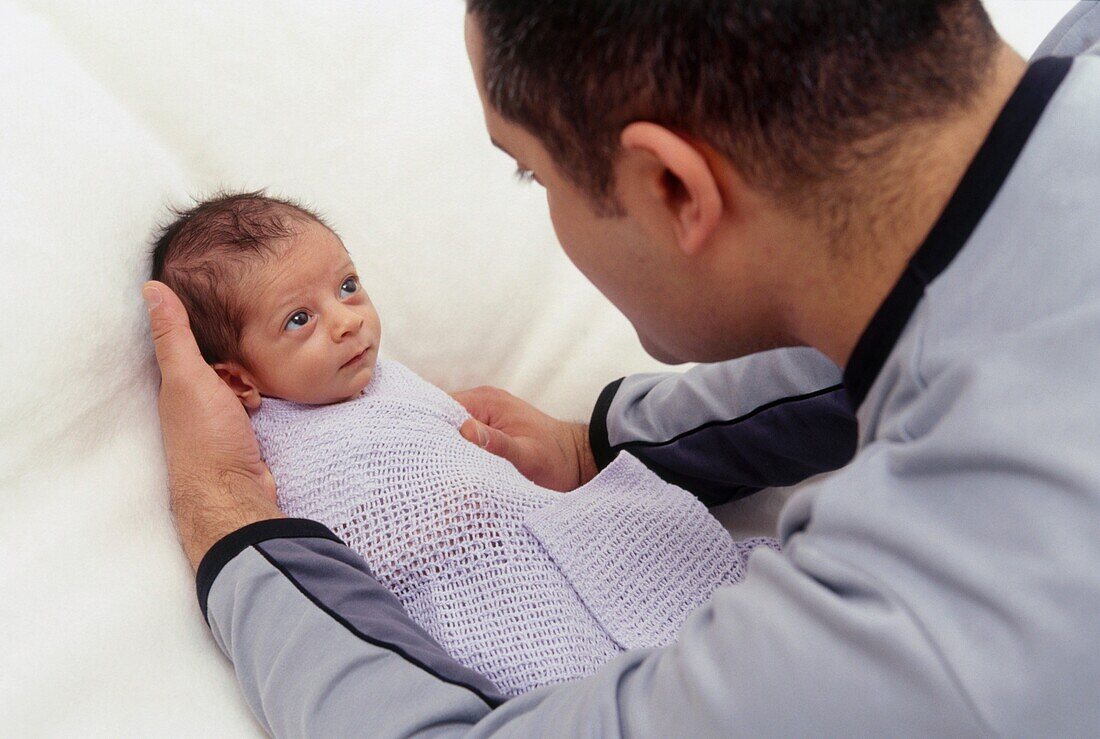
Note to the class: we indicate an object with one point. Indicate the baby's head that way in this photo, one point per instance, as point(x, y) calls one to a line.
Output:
point(273, 297)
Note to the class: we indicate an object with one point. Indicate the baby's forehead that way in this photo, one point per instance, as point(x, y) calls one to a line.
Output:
point(294, 271)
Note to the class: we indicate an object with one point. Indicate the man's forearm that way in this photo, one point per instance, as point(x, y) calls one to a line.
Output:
point(728, 429)
point(319, 647)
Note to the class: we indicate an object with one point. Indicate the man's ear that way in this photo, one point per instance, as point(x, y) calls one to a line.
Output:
point(670, 187)
point(241, 382)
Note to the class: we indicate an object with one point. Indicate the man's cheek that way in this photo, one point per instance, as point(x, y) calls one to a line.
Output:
point(570, 235)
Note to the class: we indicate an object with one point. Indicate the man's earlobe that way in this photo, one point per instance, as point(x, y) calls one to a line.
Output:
point(240, 382)
point(679, 180)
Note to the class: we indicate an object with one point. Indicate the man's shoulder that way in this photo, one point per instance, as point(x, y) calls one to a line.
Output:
point(975, 508)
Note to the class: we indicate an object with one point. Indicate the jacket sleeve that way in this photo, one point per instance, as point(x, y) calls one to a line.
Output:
point(806, 645)
point(726, 430)
point(320, 648)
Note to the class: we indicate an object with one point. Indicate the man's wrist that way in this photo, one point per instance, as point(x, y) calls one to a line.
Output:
point(205, 513)
point(199, 533)
point(586, 461)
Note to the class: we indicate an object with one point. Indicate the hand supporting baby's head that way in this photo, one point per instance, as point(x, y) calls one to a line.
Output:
point(273, 298)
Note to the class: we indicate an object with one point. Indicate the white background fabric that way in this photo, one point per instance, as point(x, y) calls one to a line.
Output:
point(110, 111)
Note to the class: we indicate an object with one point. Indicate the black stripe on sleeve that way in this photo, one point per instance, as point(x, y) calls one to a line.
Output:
point(629, 445)
point(230, 545)
point(602, 451)
point(414, 637)
point(962, 214)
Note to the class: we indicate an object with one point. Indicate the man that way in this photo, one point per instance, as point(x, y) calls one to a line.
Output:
point(885, 182)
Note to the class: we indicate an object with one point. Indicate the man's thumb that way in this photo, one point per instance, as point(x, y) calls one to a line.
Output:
point(488, 438)
point(169, 326)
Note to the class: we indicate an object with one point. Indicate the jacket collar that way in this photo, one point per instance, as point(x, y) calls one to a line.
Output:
point(972, 198)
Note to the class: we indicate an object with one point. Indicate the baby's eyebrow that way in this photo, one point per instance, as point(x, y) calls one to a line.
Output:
point(285, 305)
point(296, 298)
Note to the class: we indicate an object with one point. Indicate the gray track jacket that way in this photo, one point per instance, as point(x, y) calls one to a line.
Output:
point(945, 581)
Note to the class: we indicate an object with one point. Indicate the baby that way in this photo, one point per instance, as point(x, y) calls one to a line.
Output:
point(527, 586)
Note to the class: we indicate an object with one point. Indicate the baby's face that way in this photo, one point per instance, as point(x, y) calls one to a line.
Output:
point(311, 334)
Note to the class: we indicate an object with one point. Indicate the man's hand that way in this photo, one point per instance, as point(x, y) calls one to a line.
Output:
point(551, 453)
point(217, 480)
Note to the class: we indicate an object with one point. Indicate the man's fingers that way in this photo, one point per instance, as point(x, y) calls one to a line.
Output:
point(490, 439)
point(474, 431)
point(499, 443)
point(479, 402)
point(175, 344)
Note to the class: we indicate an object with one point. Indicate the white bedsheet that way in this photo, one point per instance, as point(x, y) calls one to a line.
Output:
point(109, 112)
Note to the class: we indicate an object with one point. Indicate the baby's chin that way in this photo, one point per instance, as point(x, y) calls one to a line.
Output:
point(361, 380)
point(350, 390)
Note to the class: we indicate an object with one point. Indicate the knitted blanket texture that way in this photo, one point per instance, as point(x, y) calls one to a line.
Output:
point(526, 585)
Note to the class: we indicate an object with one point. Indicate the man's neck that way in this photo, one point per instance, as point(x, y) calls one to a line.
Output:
point(917, 181)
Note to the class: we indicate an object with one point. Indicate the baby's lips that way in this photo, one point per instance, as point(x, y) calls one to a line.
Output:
point(355, 358)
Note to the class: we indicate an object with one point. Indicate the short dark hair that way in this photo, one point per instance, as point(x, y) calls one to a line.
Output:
point(780, 87)
point(206, 251)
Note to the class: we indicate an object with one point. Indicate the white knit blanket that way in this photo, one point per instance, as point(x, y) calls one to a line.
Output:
point(525, 585)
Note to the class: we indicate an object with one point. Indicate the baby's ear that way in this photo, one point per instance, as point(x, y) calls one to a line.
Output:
point(241, 382)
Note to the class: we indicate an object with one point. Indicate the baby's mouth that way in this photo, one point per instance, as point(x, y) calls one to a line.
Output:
point(356, 358)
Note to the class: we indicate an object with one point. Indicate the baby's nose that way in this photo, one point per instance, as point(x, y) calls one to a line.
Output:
point(348, 322)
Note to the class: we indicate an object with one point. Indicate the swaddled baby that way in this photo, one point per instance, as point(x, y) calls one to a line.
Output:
point(527, 586)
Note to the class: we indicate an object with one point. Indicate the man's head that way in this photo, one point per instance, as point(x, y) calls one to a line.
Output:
point(660, 127)
point(273, 298)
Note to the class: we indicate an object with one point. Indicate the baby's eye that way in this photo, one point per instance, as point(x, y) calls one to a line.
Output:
point(351, 285)
point(299, 319)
